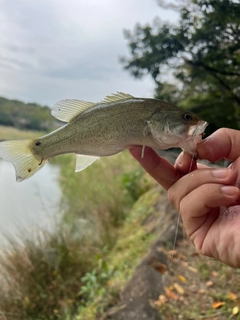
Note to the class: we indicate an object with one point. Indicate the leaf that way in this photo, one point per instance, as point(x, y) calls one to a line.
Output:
point(172, 252)
point(160, 267)
point(181, 256)
point(209, 283)
point(218, 304)
point(189, 267)
point(178, 288)
point(235, 310)
point(170, 294)
point(214, 274)
point(232, 296)
point(192, 269)
point(181, 278)
point(161, 300)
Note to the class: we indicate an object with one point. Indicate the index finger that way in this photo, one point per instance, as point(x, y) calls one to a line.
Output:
point(159, 168)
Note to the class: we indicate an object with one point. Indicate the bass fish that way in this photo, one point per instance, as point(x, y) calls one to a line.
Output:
point(95, 130)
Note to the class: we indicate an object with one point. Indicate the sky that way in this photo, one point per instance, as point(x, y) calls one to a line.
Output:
point(62, 49)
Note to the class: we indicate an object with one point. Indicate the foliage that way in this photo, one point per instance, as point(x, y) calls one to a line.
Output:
point(25, 115)
point(135, 183)
point(122, 259)
point(93, 281)
point(101, 195)
point(195, 63)
point(54, 274)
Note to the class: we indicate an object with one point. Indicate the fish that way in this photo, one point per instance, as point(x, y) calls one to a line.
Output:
point(94, 130)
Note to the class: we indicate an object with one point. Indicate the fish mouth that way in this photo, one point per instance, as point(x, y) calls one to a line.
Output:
point(197, 129)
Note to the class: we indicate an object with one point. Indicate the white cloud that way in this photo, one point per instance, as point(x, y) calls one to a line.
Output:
point(54, 49)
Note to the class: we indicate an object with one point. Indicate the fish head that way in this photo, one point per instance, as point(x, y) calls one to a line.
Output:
point(173, 127)
point(189, 129)
point(194, 136)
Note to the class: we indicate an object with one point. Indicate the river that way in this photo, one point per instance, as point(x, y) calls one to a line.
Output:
point(31, 203)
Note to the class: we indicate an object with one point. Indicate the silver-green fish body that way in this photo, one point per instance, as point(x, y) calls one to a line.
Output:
point(94, 130)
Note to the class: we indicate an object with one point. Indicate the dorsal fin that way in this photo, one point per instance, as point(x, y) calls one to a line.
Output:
point(65, 110)
point(116, 97)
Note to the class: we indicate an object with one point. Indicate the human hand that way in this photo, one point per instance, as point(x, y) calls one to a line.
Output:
point(208, 199)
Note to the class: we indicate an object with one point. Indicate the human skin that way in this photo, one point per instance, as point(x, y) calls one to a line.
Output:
point(207, 198)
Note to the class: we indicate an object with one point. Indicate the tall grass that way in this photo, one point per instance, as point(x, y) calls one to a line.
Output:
point(11, 133)
point(41, 275)
point(104, 192)
point(44, 275)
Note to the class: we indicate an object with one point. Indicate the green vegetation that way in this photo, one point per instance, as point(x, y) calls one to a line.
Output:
point(104, 192)
point(42, 274)
point(196, 63)
point(77, 270)
point(55, 274)
point(122, 259)
point(30, 116)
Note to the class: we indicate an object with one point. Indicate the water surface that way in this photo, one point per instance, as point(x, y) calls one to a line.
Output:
point(31, 203)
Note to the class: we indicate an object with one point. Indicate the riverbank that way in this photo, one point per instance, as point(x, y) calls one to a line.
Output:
point(98, 260)
point(11, 133)
point(45, 269)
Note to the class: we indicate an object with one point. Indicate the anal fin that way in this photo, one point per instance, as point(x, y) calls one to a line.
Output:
point(83, 161)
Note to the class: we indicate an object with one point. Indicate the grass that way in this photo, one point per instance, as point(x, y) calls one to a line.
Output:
point(77, 271)
point(103, 193)
point(122, 259)
point(52, 275)
point(11, 133)
point(42, 274)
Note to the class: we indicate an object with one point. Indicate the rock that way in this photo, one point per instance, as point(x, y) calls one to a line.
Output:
point(134, 309)
point(146, 283)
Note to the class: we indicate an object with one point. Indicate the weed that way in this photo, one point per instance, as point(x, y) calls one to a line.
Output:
point(135, 183)
point(93, 281)
point(53, 274)
point(42, 275)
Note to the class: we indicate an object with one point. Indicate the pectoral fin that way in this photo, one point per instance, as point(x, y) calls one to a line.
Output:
point(83, 161)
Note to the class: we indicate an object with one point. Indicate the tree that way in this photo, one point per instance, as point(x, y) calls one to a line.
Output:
point(196, 63)
point(26, 115)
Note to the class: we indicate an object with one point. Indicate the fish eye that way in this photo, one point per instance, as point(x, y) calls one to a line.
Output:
point(187, 116)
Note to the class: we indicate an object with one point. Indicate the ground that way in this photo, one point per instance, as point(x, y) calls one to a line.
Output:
point(176, 283)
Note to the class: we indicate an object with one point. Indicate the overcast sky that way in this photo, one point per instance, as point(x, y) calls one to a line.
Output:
point(57, 49)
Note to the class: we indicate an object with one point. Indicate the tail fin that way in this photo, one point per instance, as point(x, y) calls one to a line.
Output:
point(19, 154)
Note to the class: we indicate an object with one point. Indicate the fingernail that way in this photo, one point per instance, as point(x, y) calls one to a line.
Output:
point(220, 173)
point(230, 190)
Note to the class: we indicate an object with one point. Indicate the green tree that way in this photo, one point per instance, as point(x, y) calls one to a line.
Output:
point(196, 63)
point(26, 115)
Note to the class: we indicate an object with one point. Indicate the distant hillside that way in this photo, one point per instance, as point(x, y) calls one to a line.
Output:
point(26, 115)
